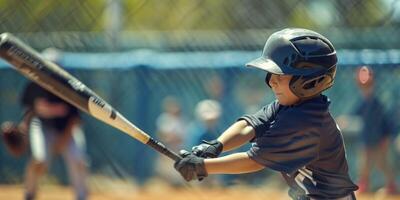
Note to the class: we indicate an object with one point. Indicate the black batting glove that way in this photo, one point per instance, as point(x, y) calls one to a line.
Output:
point(191, 167)
point(208, 149)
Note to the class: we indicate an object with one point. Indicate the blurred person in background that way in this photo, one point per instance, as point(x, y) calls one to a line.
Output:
point(54, 128)
point(376, 131)
point(171, 129)
point(205, 127)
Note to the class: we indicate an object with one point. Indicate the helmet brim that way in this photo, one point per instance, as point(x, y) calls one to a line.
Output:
point(266, 65)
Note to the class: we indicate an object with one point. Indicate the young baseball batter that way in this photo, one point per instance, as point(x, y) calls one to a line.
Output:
point(295, 135)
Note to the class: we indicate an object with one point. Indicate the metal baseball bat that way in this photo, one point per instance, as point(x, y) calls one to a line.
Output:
point(50, 76)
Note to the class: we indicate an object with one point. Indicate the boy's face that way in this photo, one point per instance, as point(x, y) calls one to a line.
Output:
point(280, 87)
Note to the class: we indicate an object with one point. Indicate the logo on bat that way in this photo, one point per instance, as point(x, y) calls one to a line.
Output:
point(101, 109)
point(14, 50)
point(98, 101)
point(77, 85)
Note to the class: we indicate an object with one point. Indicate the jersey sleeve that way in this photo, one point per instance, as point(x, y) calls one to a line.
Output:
point(260, 121)
point(289, 144)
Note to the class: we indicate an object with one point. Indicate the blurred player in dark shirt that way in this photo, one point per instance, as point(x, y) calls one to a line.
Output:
point(54, 128)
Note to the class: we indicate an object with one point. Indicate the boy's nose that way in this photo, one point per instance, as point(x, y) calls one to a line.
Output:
point(272, 81)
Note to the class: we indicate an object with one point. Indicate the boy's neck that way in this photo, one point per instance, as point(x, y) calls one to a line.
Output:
point(302, 100)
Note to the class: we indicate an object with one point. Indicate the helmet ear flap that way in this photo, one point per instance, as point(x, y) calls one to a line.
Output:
point(304, 87)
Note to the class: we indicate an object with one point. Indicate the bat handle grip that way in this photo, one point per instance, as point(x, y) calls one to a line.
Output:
point(160, 147)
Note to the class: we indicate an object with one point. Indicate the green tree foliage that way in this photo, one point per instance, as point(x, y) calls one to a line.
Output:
point(51, 15)
point(88, 15)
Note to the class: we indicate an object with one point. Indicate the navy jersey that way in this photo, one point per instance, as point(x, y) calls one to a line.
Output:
point(33, 91)
point(376, 124)
point(304, 143)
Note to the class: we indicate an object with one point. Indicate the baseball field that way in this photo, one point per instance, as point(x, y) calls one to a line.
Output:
point(126, 191)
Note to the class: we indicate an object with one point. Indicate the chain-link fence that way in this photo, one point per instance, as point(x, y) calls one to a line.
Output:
point(192, 50)
point(103, 25)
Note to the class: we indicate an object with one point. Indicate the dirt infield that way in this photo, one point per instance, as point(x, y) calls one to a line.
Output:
point(53, 192)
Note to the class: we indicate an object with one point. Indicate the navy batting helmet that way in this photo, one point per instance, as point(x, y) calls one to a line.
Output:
point(305, 54)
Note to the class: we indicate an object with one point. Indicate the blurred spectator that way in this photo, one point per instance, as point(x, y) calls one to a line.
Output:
point(171, 130)
point(376, 130)
point(54, 129)
point(205, 127)
point(171, 125)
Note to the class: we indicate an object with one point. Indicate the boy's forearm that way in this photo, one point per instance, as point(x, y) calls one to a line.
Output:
point(237, 163)
point(236, 135)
